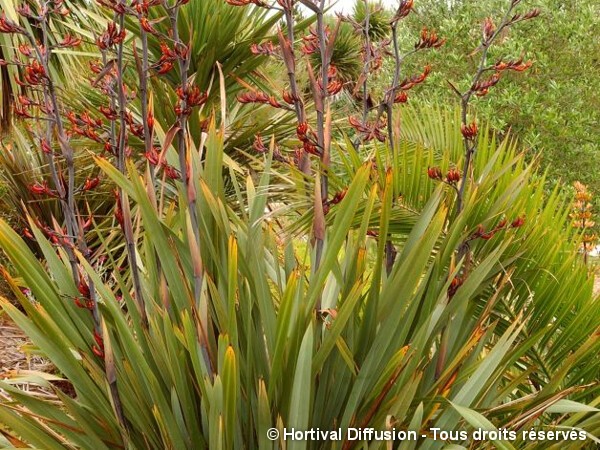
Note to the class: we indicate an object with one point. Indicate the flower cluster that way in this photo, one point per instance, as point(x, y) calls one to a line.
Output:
point(308, 138)
point(583, 217)
point(189, 98)
point(259, 97)
point(481, 233)
point(452, 176)
point(469, 131)
point(337, 198)
point(369, 130)
point(429, 39)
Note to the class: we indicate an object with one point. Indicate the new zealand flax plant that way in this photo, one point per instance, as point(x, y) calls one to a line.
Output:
point(217, 323)
point(221, 370)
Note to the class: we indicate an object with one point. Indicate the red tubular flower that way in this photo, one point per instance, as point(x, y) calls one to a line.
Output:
point(83, 288)
point(334, 87)
point(25, 101)
point(170, 172)
point(267, 49)
point(8, 26)
point(89, 121)
point(357, 125)
point(194, 97)
point(84, 304)
point(429, 39)
point(167, 57)
point(487, 29)
point(311, 148)
point(150, 120)
point(434, 173)
point(27, 233)
point(98, 351)
point(404, 9)
point(515, 64)
point(110, 37)
point(339, 196)
point(409, 83)
point(137, 129)
point(69, 41)
point(454, 285)
point(332, 71)
point(453, 176)
point(22, 112)
point(108, 112)
point(482, 87)
point(152, 156)
point(25, 50)
point(369, 130)
point(189, 97)
point(258, 145)
point(96, 66)
point(290, 98)
point(247, 97)
point(35, 74)
point(91, 134)
point(164, 67)
point(98, 339)
point(91, 183)
point(469, 131)
point(88, 223)
point(401, 97)
point(518, 222)
point(258, 97)
point(118, 211)
point(41, 189)
point(246, 3)
point(532, 14)
point(46, 147)
point(147, 26)
point(301, 130)
point(310, 43)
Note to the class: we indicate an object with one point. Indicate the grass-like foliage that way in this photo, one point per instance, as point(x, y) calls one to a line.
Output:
point(251, 355)
point(398, 267)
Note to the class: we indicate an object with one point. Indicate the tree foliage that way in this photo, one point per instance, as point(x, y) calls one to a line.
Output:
point(555, 107)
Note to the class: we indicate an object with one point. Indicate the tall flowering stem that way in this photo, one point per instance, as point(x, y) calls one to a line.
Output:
point(326, 40)
point(38, 78)
point(480, 85)
point(395, 93)
point(122, 150)
point(289, 58)
point(111, 79)
point(320, 41)
point(189, 96)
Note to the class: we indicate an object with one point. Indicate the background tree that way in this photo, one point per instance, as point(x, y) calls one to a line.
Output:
point(554, 108)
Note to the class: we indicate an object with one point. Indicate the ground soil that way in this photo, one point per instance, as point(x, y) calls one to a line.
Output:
point(14, 359)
